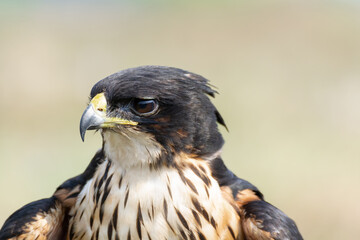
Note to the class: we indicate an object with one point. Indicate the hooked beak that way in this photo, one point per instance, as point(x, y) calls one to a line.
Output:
point(94, 116)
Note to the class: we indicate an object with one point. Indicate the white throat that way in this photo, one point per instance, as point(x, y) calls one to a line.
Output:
point(130, 148)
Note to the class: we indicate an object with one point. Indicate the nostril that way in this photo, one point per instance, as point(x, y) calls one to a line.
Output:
point(100, 109)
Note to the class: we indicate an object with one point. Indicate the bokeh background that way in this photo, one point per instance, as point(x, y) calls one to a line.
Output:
point(288, 73)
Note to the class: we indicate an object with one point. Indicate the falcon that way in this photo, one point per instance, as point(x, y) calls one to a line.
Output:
point(159, 173)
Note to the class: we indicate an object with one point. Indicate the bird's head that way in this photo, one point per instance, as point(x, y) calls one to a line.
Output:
point(152, 113)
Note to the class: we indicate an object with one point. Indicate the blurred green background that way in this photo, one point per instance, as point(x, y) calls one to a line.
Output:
point(288, 73)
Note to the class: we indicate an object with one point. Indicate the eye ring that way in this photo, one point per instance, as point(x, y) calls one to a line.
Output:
point(144, 107)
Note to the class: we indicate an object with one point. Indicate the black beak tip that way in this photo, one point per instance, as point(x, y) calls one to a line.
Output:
point(82, 134)
point(89, 121)
point(85, 122)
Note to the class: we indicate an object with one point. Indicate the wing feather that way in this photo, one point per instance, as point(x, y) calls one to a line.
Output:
point(48, 218)
point(42, 219)
point(259, 219)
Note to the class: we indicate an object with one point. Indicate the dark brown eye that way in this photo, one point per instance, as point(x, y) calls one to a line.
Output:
point(145, 107)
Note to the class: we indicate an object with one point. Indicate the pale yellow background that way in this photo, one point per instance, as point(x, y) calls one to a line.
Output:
point(288, 73)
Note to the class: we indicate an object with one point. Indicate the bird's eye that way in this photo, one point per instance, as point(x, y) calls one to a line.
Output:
point(145, 107)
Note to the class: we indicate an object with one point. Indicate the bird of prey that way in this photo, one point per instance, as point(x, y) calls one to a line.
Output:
point(159, 173)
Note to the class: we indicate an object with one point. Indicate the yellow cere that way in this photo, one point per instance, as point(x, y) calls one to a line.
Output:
point(113, 120)
point(99, 103)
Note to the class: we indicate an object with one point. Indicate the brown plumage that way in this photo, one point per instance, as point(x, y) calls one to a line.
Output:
point(159, 174)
